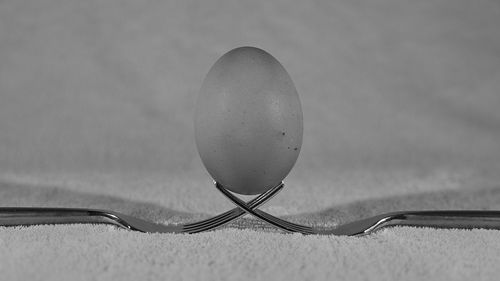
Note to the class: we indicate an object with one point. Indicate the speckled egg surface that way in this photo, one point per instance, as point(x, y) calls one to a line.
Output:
point(248, 124)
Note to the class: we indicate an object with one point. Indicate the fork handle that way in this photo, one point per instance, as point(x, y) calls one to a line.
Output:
point(13, 216)
point(442, 219)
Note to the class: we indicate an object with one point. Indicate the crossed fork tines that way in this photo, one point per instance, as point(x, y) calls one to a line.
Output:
point(250, 207)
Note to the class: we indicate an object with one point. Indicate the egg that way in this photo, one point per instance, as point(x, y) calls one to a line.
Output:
point(248, 122)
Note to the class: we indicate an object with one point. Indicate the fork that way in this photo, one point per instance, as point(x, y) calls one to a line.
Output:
point(15, 216)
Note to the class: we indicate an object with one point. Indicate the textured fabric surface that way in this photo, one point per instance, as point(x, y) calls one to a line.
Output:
point(400, 102)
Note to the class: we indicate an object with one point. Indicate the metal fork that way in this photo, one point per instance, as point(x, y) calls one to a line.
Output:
point(436, 219)
point(12, 216)
point(15, 216)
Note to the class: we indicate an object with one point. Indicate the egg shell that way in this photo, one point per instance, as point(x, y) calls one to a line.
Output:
point(248, 124)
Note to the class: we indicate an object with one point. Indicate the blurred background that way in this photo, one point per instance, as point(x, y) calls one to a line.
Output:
point(109, 87)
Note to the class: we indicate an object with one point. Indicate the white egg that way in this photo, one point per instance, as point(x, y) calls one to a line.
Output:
point(248, 124)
